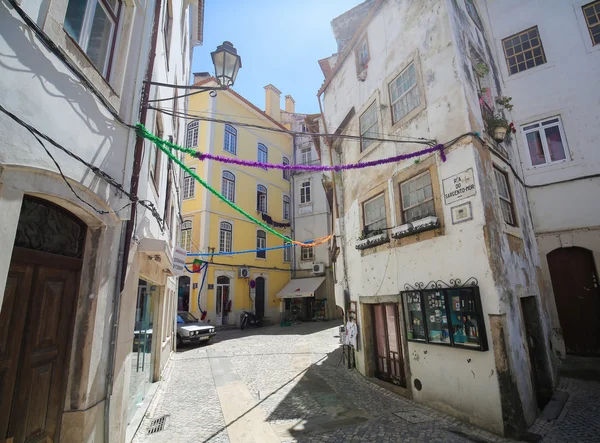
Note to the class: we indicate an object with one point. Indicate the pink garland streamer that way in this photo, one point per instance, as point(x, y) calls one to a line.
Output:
point(335, 168)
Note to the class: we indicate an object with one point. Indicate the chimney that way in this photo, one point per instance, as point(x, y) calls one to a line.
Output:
point(290, 104)
point(273, 102)
point(199, 76)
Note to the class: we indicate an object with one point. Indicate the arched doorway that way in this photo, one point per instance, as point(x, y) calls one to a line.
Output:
point(259, 300)
point(36, 321)
point(223, 300)
point(577, 295)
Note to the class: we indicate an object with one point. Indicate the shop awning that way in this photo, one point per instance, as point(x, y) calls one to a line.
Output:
point(301, 287)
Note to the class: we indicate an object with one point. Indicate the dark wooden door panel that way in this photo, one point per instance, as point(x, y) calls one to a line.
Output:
point(390, 365)
point(577, 295)
point(12, 323)
point(39, 390)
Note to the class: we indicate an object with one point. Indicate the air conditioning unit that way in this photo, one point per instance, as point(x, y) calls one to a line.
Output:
point(318, 269)
point(244, 273)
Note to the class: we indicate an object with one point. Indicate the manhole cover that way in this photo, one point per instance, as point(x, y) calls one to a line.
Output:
point(158, 424)
point(413, 416)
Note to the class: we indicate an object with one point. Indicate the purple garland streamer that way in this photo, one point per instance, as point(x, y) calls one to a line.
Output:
point(335, 168)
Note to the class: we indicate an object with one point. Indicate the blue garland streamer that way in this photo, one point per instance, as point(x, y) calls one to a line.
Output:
point(248, 251)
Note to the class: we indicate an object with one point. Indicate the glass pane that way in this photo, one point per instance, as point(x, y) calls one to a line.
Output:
point(555, 144)
point(536, 151)
point(507, 212)
point(98, 47)
point(502, 186)
point(74, 18)
point(465, 320)
point(415, 325)
point(436, 317)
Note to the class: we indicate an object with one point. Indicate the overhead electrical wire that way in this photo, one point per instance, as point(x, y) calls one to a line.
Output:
point(99, 172)
point(437, 148)
point(52, 47)
point(188, 116)
point(161, 144)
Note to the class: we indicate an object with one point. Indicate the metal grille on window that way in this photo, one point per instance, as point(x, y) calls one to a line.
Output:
point(191, 140)
point(404, 93)
point(505, 199)
point(286, 252)
point(261, 243)
point(524, 51)
point(591, 11)
point(417, 198)
point(42, 227)
point(228, 186)
point(225, 237)
point(368, 126)
point(186, 235)
point(230, 143)
point(261, 198)
point(189, 185)
point(374, 212)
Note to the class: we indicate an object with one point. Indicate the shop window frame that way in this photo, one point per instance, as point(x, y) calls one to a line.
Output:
point(471, 285)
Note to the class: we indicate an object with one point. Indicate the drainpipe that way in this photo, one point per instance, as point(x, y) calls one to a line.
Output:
point(127, 233)
point(139, 141)
point(116, 310)
point(292, 196)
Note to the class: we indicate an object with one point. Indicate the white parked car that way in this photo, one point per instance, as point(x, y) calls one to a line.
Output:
point(192, 330)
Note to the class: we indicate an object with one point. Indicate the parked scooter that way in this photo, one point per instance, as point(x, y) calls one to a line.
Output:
point(250, 318)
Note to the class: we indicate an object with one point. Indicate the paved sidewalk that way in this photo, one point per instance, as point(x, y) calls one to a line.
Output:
point(285, 385)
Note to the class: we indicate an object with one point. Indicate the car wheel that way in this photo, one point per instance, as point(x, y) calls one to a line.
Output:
point(179, 342)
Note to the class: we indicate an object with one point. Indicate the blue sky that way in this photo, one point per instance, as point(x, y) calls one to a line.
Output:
point(280, 42)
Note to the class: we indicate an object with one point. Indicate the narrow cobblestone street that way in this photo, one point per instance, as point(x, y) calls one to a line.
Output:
point(287, 384)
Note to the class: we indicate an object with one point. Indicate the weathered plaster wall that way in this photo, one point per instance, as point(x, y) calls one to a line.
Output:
point(504, 259)
point(562, 210)
point(513, 250)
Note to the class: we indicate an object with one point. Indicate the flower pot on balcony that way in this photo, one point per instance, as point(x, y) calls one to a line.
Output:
point(499, 133)
point(373, 241)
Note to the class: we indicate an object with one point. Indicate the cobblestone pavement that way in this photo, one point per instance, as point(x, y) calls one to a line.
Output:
point(299, 392)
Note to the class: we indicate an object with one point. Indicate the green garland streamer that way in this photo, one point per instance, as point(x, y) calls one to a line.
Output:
point(160, 143)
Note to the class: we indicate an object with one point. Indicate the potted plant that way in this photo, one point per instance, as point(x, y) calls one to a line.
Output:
point(504, 102)
point(497, 125)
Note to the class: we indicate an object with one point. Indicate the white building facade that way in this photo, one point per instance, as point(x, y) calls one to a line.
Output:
point(438, 256)
point(72, 75)
point(557, 135)
point(311, 217)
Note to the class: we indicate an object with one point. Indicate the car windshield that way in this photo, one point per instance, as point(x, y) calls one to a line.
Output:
point(185, 317)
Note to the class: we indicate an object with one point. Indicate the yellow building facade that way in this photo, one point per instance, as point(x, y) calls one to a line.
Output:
point(212, 226)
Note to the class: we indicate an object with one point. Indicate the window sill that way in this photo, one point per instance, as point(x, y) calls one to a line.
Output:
point(371, 242)
point(230, 153)
point(364, 153)
point(523, 74)
point(416, 227)
point(89, 65)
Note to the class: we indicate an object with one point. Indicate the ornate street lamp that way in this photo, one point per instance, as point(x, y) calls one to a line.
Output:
point(227, 64)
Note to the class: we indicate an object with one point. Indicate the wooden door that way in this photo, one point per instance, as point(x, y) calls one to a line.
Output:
point(388, 350)
point(259, 299)
point(577, 295)
point(39, 300)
